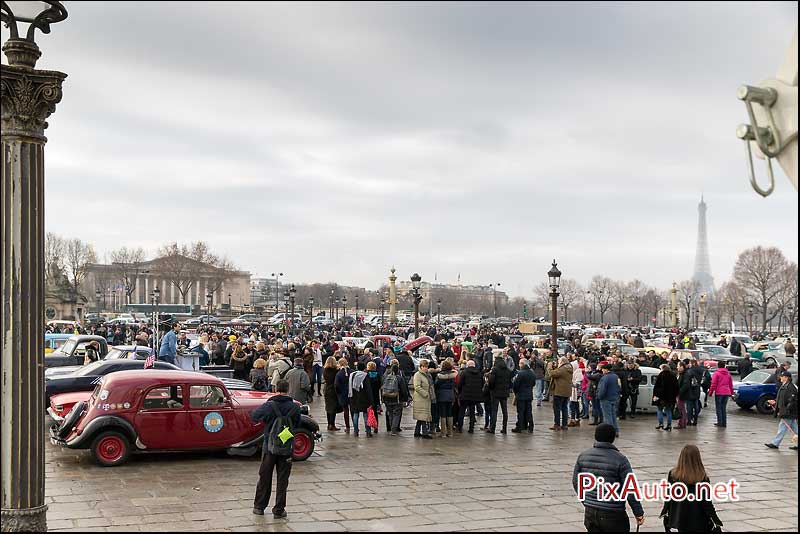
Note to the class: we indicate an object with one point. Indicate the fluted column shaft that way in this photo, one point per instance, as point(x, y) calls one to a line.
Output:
point(29, 96)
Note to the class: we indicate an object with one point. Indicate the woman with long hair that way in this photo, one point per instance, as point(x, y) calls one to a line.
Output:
point(696, 513)
point(239, 362)
point(341, 385)
point(329, 371)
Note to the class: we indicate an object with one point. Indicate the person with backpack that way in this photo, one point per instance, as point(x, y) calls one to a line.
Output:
point(393, 389)
point(258, 375)
point(278, 367)
point(360, 393)
point(341, 384)
point(281, 416)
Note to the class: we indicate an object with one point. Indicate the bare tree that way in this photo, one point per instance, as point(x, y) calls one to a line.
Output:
point(759, 272)
point(77, 257)
point(655, 301)
point(223, 271)
point(619, 297)
point(787, 302)
point(600, 287)
point(688, 293)
point(127, 264)
point(178, 267)
point(542, 294)
point(570, 291)
point(637, 291)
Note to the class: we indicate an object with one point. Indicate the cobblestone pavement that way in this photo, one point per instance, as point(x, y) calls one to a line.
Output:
point(514, 482)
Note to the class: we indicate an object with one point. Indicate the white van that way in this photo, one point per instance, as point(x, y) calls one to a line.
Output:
point(645, 401)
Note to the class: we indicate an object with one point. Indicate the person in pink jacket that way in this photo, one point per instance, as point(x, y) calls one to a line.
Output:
point(722, 389)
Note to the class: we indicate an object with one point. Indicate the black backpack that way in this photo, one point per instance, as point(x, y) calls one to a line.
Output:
point(280, 440)
point(260, 383)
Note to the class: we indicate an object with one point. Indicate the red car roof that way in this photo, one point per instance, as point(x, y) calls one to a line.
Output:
point(148, 377)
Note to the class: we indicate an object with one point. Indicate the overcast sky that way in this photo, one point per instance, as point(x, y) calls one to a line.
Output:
point(331, 141)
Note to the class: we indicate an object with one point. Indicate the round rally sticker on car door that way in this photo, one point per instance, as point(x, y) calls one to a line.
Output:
point(213, 422)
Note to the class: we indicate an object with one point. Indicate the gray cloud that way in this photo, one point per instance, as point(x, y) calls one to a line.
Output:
point(332, 140)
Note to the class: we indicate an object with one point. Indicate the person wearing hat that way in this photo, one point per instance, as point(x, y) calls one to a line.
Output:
point(608, 392)
point(604, 460)
point(785, 410)
point(299, 384)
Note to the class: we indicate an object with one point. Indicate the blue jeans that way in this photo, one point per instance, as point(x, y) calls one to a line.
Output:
point(597, 410)
point(782, 428)
point(693, 409)
point(610, 413)
point(721, 402)
point(584, 405)
point(660, 413)
point(356, 417)
point(316, 374)
point(539, 390)
point(560, 410)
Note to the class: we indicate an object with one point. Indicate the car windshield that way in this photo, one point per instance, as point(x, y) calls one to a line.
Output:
point(756, 377)
point(116, 354)
point(713, 349)
point(66, 348)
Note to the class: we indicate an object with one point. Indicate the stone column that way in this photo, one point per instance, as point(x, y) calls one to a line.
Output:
point(29, 96)
point(392, 298)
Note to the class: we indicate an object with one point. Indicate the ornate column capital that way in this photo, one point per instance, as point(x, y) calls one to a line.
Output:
point(28, 97)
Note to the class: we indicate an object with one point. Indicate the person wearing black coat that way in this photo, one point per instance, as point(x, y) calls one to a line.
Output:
point(523, 385)
point(695, 514)
point(634, 378)
point(665, 393)
point(499, 381)
point(406, 365)
point(594, 376)
point(744, 366)
point(470, 393)
point(684, 392)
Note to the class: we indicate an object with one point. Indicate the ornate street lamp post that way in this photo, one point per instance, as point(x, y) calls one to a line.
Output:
point(292, 297)
point(156, 298)
point(356, 308)
point(555, 279)
point(438, 312)
point(29, 97)
point(277, 288)
point(494, 298)
point(790, 307)
point(311, 308)
point(330, 304)
point(344, 307)
point(750, 312)
point(416, 283)
point(209, 303)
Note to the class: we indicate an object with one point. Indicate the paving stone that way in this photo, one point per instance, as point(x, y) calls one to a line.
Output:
point(472, 482)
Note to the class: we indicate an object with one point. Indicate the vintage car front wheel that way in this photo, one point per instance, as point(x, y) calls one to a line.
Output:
point(110, 448)
point(303, 446)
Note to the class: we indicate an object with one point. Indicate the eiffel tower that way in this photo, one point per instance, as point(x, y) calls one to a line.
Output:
point(702, 266)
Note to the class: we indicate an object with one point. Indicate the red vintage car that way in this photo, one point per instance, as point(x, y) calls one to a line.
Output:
point(151, 410)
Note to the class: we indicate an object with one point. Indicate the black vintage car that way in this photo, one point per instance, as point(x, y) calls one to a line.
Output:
point(73, 351)
point(85, 378)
